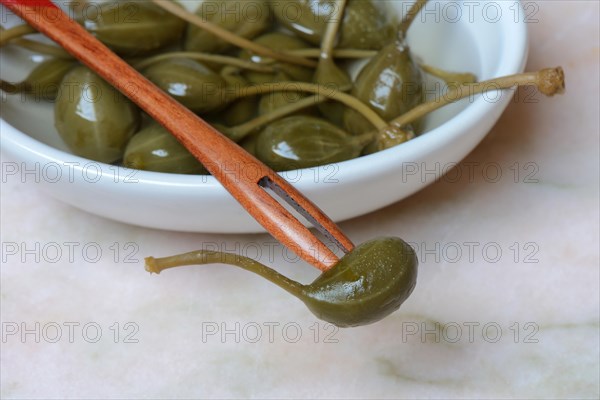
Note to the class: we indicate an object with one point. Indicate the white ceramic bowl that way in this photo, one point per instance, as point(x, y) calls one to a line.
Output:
point(486, 38)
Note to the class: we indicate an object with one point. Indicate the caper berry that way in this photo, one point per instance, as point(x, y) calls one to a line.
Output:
point(365, 25)
point(366, 285)
point(302, 142)
point(133, 28)
point(277, 41)
point(155, 149)
point(247, 19)
point(391, 84)
point(94, 119)
point(189, 82)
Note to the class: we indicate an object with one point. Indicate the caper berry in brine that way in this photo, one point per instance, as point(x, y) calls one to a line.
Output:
point(281, 42)
point(189, 82)
point(155, 149)
point(306, 18)
point(303, 142)
point(247, 19)
point(364, 26)
point(93, 118)
point(44, 80)
point(132, 28)
point(391, 84)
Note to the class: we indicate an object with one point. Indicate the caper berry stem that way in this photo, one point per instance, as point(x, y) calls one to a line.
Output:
point(331, 31)
point(231, 37)
point(410, 17)
point(201, 257)
point(6, 35)
point(549, 81)
point(213, 58)
point(9, 88)
point(448, 76)
point(363, 139)
point(336, 53)
point(239, 132)
point(328, 92)
point(43, 48)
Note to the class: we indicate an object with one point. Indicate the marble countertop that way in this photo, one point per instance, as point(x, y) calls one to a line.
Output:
point(507, 303)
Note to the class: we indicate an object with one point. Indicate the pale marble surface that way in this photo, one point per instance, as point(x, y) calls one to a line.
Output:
point(554, 299)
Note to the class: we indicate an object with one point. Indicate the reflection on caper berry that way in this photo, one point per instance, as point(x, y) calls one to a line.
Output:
point(94, 119)
point(190, 82)
point(282, 42)
point(302, 142)
point(133, 28)
point(155, 149)
point(364, 26)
